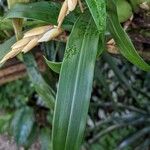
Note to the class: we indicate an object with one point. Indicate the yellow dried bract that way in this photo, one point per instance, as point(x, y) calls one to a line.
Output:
point(37, 31)
point(81, 6)
point(11, 54)
point(20, 43)
point(68, 5)
point(51, 34)
point(72, 4)
point(145, 6)
point(63, 13)
point(30, 45)
point(42, 34)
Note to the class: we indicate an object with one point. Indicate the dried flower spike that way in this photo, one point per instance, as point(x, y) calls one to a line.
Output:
point(145, 6)
point(30, 45)
point(37, 31)
point(31, 39)
point(63, 13)
point(81, 6)
point(72, 4)
point(10, 55)
point(20, 43)
point(51, 34)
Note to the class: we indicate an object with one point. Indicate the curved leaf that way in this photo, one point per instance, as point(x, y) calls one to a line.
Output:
point(42, 88)
point(55, 66)
point(6, 47)
point(43, 11)
point(40, 11)
point(75, 85)
point(121, 38)
point(98, 11)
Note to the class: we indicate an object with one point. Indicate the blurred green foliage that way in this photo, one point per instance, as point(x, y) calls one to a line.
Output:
point(15, 94)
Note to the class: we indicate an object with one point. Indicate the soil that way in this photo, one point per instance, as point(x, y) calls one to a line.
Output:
point(8, 143)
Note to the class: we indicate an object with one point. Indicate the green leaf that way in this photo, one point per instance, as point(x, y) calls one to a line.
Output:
point(21, 125)
point(98, 11)
point(75, 85)
point(124, 10)
point(55, 66)
point(43, 11)
point(42, 88)
point(121, 38)
point(45, 139)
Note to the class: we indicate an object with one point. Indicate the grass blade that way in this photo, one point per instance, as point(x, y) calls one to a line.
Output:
point(43, 11)
point(75, 85)
point(121, 38)
point(42, 88)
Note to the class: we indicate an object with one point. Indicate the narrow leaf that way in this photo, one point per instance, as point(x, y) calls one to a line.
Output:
point(121, 38)
point(43, 11)
point(75, 85)
point(39, 11)
point(42, 88)
point(98, 11)
point(55, 66)
point(6, 47)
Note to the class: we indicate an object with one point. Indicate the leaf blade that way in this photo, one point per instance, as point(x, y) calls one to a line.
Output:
point(43, 11)
point(121, 38)
point(68, 127)
point(98, 11)
point(55, 66)
point(42, 88)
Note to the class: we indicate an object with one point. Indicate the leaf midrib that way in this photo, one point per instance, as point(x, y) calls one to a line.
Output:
point(76, 81)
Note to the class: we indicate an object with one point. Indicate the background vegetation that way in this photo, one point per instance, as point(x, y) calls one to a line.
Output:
point(119, 110)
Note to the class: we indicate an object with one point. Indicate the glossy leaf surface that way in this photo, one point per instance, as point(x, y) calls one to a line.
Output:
point(75, 85)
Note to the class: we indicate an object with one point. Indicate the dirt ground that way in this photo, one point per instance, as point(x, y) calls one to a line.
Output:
point(7, 143)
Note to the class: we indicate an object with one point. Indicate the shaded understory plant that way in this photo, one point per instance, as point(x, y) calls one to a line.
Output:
point(90, 33)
